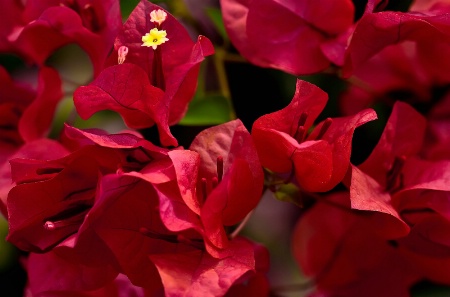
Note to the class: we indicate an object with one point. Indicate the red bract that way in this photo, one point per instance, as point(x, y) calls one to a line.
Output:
point(402, 138)
point(15, 98)
point(152, 85)
point(59, 272)
point(126, 212)
point(197, 273)
point(132, 224)
point(226, 183)
point(298, 37)
point(395, 73)
point(382, 175)
point(427, 27)
point(257, 284)
point(55, 205)
point(63, 190)
point(320, 159)
point(36, 29)
point(341, 250)
point(159, 217)
point(42, 149)
point(395, 181)
point(118, 287)
point(126, 90)
point(26, 114)
point(347, 252)
point(9, 21)
point(398, 206)
point(399, 72)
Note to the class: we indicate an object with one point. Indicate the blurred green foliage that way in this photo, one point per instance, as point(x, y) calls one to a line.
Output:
point(215, 15)
point(208, 110)
point(8, 253)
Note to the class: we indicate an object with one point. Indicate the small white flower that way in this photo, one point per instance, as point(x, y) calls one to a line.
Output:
point(158, 16)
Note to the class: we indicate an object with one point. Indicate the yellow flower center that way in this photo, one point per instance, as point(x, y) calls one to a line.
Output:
point(154, 38)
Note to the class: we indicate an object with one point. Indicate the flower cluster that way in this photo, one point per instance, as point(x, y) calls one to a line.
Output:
point(100, 213)
point(389, 229)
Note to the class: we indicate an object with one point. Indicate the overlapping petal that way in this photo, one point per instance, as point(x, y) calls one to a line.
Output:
point(40, 27)
point(341, 249)
point(320, 159)
point(376, 31)
point(287, 35)
point(240, 189)
point(44, 269)
point(153, 85)
point(197, 273)
point(126, 90)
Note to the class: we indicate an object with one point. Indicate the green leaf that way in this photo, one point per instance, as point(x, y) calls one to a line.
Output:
point(105, 119)
point(63, 112)
point(215, 15)
point(127, 6)
point(208, 110)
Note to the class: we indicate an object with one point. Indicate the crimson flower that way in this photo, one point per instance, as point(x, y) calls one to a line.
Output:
point(319, 159)
point(299, 37)
point(399, 73)
point(156, 76)
point(220, 179)
point(395, 73)
point(53, 205)
point(393, 55)
point(157, 243)
point(25, 116)
point(343, 254)
point(425, 24)
point(394, 172)
point(37, 28)
point(346, 252)
point(171, 221)
point(64, 198)
point(389, 227)
point(406, 194)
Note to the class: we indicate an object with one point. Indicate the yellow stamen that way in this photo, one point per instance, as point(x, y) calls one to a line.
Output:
point(154, 38)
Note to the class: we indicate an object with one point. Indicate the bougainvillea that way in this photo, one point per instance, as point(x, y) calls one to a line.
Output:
point(151, 180)
point(37, 28)
point(155, 78)
point(396, 204)
point(273, 33)
point(318, 159)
